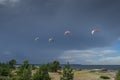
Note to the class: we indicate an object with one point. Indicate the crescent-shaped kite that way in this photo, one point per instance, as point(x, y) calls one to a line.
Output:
point(51, 40)
point(37, 38)
point(67, 33)
point(94, 30)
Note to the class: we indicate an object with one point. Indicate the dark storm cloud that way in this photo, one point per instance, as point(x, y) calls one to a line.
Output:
point(20, 24)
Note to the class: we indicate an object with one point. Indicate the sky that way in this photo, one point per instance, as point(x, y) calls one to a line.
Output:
point(27, 25)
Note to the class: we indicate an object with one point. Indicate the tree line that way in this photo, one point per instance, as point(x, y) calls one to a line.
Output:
point(8, 71)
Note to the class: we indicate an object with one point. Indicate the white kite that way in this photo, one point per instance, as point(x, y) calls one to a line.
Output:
point(51, 40)
point(94, 30)
point(67, 33)
point(37, 38)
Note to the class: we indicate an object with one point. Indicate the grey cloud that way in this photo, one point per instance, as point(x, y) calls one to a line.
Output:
point(8, 3)
point(50, 18)
point(106, 61)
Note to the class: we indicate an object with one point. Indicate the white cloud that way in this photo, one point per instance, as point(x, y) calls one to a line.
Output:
point(107, 60)
point(8, 2)
point(2, 2)
point(89, 53)
point(87, 56)
point(94, 51)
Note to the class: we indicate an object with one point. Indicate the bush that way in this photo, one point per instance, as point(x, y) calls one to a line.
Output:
point(67, 73)
point(12, 63)
point(25, 65)
point(4, 69)
point(4, 78)
point(24, 71)
point(33, 67)
point(104, 69)
point(104, 77)
point(16, 78)
point(117, 75)
point(41, 74)
point(53, 67)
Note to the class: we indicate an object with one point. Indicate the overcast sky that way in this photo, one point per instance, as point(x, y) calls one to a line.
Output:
point(22, 21)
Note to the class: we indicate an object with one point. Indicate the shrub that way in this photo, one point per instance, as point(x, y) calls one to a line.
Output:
point(4, 69)
point(41, 74)
point(117, 75)
point(4, 78)
point(12, 63)
point(24, 71)
point(25, 64)
point(53, 67)
point(104, 77)
point(56, 66)
point(104, 69)
point(33, 67)
point(67, 73)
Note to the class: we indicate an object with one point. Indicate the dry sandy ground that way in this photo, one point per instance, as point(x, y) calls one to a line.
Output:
point(86, 75)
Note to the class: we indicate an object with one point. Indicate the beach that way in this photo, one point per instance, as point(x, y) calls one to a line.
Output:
point(87, 75)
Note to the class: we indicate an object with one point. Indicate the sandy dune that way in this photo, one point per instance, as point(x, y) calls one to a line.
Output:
point(86, 75)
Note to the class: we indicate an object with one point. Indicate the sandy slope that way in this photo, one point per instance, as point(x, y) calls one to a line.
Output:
point(86, 75)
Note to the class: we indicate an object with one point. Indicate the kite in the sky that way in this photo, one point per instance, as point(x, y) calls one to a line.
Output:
point(67, 33)
point(37, 38)
point(94, 30)
point(51, 40)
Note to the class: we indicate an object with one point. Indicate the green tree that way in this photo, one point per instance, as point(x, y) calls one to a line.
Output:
point(24, 71)
point(117, 75)
point(12, 63)
point(4, 69)
point(25, 64)
point(33, 67)
point(67, 73)
point(42, 73)
point(53, 67)
point(26, 75)
point(56, 66)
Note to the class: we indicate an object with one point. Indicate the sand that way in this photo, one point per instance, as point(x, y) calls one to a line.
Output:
point(87, 75)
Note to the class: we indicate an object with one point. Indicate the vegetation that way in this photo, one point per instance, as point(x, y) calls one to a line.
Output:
point(53, 67)
point(117, 75)
point(42, 73)
point(67, 73)
point(104, 77)
point(23, 72)
point(8, 71)
point(12, 63)
point(33, 67)
point(4, 69)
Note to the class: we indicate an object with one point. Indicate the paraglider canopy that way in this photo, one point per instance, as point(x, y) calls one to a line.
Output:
point(51, 40)
point(37, 38)
point(67, 33)
point(94, 30)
